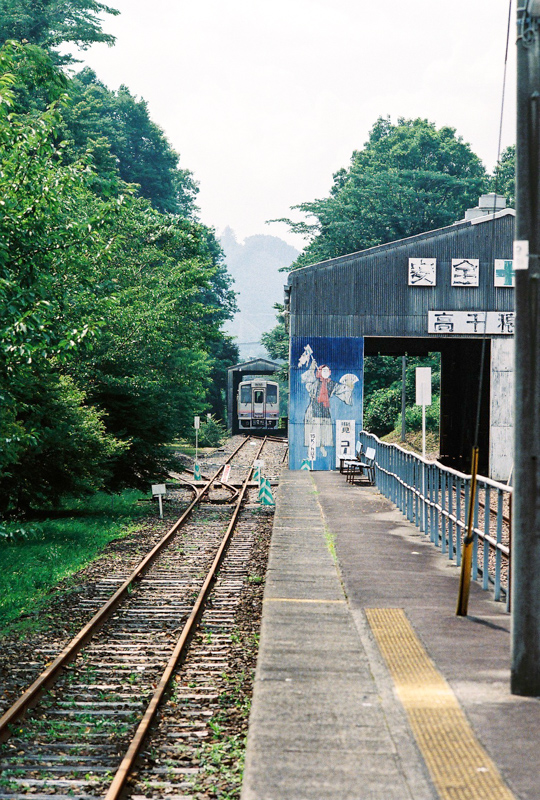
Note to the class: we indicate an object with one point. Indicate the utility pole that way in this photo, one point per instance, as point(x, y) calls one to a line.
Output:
point(526, 506)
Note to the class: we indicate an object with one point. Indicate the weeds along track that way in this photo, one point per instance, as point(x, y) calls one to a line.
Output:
point(83, 736)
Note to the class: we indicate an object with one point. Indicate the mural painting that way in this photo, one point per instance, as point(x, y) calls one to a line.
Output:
point(326, 388)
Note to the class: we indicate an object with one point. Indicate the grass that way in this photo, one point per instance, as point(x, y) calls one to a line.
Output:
point(413, 441)
point(187, 449)
point(43, 553)
point(330, 540)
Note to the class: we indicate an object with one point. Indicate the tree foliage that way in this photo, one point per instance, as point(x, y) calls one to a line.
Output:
point(99, 290)
point(410, 177)
point(504, 179)
point(124, 140)
point(382, 392)
point(50, 23)
point(276, 341)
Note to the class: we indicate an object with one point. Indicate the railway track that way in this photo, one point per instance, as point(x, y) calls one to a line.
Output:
point(84, 736)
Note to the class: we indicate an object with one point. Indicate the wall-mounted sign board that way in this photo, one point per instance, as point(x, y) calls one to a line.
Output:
point(475, 322)
point(422, 271)
point(503, 273)
point(345, 439)
point(465, 271)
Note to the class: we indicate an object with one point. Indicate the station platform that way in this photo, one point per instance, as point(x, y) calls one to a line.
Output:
point(368, 687)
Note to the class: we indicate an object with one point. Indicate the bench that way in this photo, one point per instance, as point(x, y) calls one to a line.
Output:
point(364, 464)
point(344, 463)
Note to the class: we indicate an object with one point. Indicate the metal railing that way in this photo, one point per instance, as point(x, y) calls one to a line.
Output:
point(435, 499)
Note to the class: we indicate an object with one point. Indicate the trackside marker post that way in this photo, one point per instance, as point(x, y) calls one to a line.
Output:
point(226, 473)
point(258, 464)
point(159, 490)
point(265, 493)
point(196, 469)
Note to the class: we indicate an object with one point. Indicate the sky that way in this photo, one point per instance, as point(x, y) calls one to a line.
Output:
point(264, 101)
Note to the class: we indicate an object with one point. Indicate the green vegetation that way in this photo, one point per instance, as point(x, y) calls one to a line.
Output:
point(409, 177)
point(382, 387)
point(36, 556)
point(49, 23)
point(112, 294)
point(212, 432)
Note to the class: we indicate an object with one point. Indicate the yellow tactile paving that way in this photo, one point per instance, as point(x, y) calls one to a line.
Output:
point(460, 767)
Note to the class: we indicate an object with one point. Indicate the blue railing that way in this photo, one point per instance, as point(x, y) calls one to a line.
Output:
point(435, 499)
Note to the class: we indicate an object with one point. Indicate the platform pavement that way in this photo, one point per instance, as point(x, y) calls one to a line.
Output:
point(326, 721)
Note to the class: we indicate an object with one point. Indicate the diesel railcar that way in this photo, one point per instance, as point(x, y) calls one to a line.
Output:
point(258, 404)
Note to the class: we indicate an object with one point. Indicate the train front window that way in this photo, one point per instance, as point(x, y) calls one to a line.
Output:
point(271, 394)
point(258, 396)
point(245, 394)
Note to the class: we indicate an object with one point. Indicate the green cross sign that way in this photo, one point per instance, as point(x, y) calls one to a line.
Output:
point(506, 273)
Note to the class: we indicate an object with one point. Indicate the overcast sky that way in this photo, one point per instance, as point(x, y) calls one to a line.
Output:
point(265, 100)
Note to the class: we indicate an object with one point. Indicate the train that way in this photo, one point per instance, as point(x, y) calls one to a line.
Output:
point(258, 404)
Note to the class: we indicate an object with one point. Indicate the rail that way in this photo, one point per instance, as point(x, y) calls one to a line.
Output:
point(128, 762)
point(49, 676)
point(435, 499)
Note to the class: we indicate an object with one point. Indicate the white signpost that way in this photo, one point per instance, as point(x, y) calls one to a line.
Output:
point(423, 398)
point(197, 425)
point(345, 439)
point(159, 490)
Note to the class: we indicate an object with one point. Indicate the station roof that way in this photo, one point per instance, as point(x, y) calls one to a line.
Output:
point(256, 365)
point(373, 293)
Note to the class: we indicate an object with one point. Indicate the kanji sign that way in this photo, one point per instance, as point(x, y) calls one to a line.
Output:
point(479, 322)
point(345, 439)
point(465, 271)
point(422, 271)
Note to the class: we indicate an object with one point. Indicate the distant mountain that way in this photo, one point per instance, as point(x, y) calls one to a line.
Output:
point(254, 265)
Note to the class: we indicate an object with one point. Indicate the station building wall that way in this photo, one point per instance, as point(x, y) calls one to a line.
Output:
point(326, 399)
point(375, 295)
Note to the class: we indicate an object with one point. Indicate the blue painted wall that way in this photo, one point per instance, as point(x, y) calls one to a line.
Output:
point(326, 384)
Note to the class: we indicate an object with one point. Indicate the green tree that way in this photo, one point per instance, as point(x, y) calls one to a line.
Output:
point(382, 392)
point(50, 23)
point(53, 230)
point(224, 354)
point(68, 451)
point(410, 177)
point(276, 341)
point(151, 367)
point(97, 290)
point(504, 178)
point(121, 136)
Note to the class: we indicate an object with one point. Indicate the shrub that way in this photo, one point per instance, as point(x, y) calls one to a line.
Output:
point(413, 417)
point(382, 410)
point(69, 452)
point(211, 433)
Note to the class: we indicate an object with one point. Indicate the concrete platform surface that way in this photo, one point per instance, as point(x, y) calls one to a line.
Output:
point(342, 710)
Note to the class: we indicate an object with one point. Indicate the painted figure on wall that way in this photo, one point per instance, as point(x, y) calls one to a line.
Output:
point(318, 425)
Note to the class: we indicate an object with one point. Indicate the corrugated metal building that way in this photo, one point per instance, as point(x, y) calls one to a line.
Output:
point(445, 290)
